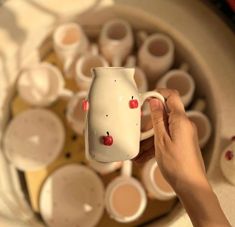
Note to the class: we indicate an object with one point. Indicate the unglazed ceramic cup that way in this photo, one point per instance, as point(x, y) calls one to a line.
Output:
point(203, 126)
point(156, 56)
point(34, 139)
point(155, 184)
point(227, 162)
point(69, 41)
point(125, 198)
point(42, 84)
point(181, 81)
point(112, 131)
point(140, 77)
point(116, 41)
point(104, 168)
point(73, 195)
point(75, 112)
point(84, 65)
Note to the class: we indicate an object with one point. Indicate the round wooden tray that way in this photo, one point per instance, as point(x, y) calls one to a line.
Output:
point(73, 152)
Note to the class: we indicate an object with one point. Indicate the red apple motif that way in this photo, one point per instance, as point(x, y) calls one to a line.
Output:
point(133, 103)
point(85, 105)
point(229, 155)
point(107, 140)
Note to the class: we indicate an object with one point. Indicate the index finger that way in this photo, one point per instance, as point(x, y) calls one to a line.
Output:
point(173, 101)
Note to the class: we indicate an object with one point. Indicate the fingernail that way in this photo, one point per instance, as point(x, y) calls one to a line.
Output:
point(155, 104)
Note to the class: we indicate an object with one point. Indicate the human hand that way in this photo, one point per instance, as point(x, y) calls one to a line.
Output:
point(175, 144)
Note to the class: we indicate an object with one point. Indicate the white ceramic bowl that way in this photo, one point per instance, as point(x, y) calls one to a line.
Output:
point(73, 195)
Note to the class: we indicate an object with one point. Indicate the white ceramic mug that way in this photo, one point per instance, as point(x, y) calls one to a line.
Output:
point(140, 77)
point(112, 131)
point(84, 65)
point(203, 126)
point(69, 41)
point(116, 41)
point(34, 139)
point(42, 84)
point(75, 113)
point(181, 81)
point(125, 198)
point(154, 182)
point(227, 162)
point(156, 56)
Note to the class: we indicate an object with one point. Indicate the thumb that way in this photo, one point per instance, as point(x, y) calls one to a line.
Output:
point(158, 117)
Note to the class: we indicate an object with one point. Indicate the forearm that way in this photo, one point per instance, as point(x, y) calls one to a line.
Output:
point(203, 206)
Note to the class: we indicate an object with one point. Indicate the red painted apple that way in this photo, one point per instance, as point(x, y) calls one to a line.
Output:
point(85, 105)
point(133, 103)
point(107, 140)
point(229, 155)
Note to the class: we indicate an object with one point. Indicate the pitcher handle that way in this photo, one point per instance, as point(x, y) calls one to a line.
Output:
point(143, 97)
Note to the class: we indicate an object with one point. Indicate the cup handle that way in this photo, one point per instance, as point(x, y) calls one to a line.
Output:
point(66, 94)
point(126, 168)
point(94, 49)
point(116, 61)
point(143, 97)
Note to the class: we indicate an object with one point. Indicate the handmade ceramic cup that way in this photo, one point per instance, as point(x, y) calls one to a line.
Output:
point(181, 81)
point(84, 65)
point(139, 76)
point(112, 131)
point(34, 139)
point(154, 182)
point(75, 114)
point(73, 195)
point(125, 198)
point(116, 41)
point(156, 56)
point(69, 41)
point(104, 168)
point(227, 162)
point(42, 84)
point(203, 126)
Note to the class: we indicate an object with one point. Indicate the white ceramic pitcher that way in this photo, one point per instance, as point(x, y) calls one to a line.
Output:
point(112, 130)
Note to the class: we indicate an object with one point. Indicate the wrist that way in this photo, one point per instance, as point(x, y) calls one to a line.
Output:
point(196, 185)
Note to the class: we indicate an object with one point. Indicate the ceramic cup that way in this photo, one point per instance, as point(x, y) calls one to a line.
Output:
point(156, 56)
point(154, 182)
point(203, 126)
point(227, 162)
point(104, 168)
point(84, 65)
point(75, 114)
point(112, 131)
point(116, 41)
point(42, 84)
point(140, 77)
point(34, 139)
point(180, 81)
point(69, 41)
point(125, 198)
point(73, 195)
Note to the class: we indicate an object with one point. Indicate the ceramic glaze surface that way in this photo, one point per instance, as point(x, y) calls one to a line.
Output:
point(109, 111)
